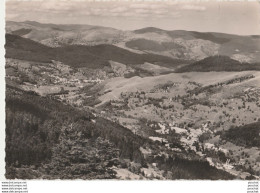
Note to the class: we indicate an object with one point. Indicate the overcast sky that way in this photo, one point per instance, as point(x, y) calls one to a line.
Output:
point(228, 17)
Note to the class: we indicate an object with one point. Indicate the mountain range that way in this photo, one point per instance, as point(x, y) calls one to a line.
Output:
point(177, 44)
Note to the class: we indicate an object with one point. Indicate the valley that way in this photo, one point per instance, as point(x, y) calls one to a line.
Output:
point(105, 112)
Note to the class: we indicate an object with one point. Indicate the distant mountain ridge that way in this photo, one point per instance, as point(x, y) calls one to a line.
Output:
point(178, 44)
point(81, 56)
point(211, 36)
point(97, 57)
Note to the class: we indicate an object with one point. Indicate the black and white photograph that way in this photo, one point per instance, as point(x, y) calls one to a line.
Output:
point(132, 90)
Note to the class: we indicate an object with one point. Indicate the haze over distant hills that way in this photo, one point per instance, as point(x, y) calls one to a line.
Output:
point(178, 44)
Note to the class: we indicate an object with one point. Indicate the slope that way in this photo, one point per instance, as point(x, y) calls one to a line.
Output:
point(242, 48)
point(55, 35)
point(246, 135)
point(218, 63)
point(38, 129)
point(81, 56)
point(51, 140)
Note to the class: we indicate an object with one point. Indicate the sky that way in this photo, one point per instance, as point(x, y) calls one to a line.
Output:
point(241, 18)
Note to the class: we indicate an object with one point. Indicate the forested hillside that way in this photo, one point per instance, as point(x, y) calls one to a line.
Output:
point(81, 56)
point(48, 139)
point(246, 135)
point(218, 63)
point(58, 141)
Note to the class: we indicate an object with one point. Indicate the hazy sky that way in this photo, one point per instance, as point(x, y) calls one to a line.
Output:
point(228, 17)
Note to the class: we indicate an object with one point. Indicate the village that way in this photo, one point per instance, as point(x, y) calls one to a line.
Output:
point(184, 123)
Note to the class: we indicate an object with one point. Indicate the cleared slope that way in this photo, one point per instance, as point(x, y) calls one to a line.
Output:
point(112, 88)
